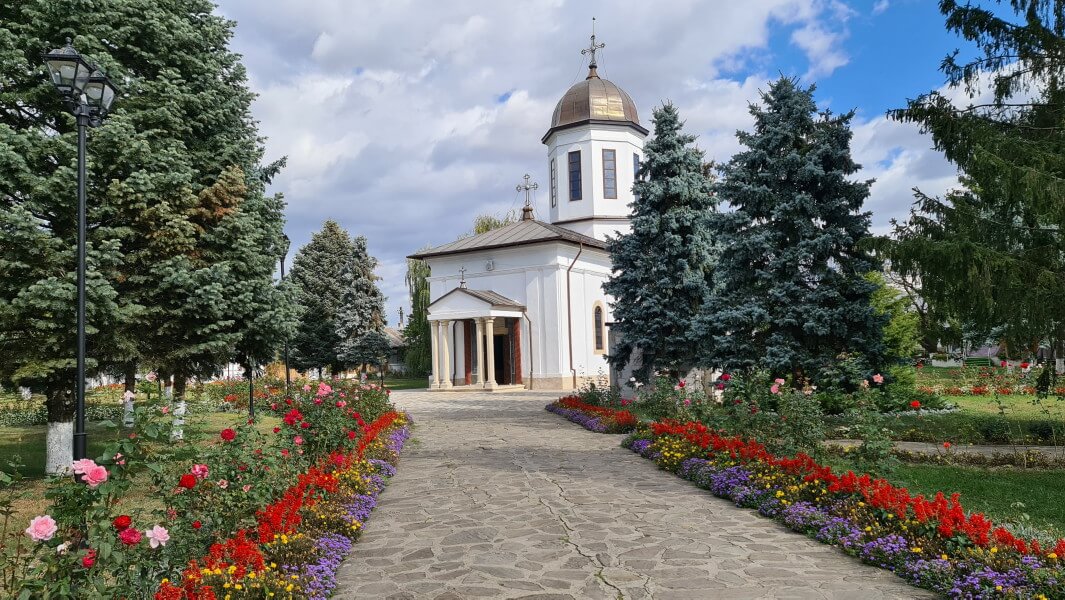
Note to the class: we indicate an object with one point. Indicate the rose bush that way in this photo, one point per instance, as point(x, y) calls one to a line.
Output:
point(206, 497)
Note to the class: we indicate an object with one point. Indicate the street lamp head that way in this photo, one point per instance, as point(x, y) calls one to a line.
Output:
point(100, 93)
point(285, 243)
point(69, 70)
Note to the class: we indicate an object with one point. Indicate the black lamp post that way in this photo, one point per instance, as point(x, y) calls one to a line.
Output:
point(89, 94)
point(285, 243)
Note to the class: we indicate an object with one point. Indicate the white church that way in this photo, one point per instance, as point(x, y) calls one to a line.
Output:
point(523, 306)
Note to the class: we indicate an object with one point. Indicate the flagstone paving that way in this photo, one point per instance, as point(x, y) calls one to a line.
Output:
point(497, 498)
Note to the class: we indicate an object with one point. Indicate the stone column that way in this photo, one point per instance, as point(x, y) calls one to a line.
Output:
point(436, 354)
point(479, 347)
point(490, 352)
point(445, 353)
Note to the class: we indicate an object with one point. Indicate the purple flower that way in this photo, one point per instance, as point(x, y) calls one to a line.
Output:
point(723, 482)
point(887, 552)
point(804, 516)
point(839, 531)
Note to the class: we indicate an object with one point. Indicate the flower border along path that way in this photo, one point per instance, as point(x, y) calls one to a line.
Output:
point(593, 418)
point(302, 537)
point(931, 543)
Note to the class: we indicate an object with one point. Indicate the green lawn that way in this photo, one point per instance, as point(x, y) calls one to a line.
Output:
point(420, 383)
point(995, 492)
point(28, 442)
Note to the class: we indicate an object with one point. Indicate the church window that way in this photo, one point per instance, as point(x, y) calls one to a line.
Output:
point(598, 318)
point(575, 175)
point(554, 185)
point(610, 174)
point(635, 169)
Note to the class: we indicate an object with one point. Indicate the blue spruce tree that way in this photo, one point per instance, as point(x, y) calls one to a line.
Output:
point(662, 268)
point(791, 293)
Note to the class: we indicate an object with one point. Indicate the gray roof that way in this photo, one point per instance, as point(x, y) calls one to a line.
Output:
point(515, 234)
point(395, 337)
point(490, 297)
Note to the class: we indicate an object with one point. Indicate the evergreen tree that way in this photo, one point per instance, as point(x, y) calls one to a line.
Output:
point(318, 274)
point(991, 253)
point(663, 267)
point(792, 294)
point(183, 117)
point(362, 306)
point(416, 335)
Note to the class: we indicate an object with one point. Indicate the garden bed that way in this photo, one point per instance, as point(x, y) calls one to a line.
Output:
point(599, 419)
point(930, 542)
point(247, 514)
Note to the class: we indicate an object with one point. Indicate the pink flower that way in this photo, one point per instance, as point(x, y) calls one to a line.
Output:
point(150, 376)
point(298, 440)
point(223, 483)
point(246, 488)
point(324, 389)
point(878, 378)
point(306, 387)
point(681, 384)
point(342, 395)
point(779, 381)
point(42, 529)
point(128, 395)
point(95, 476)
point(200, 471)
point(775, 388)
point(676, 388)
point(687, 402)
point(82, 466)
point(318, 401)
point(164, 409)
point(341, 404)
point(157, 536)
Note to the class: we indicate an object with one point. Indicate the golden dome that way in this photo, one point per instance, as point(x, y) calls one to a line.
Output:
point(594, 99)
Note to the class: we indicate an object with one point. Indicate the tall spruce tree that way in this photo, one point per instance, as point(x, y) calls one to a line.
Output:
point(992, 253)
point(663, 267)
point(362, 307)
point(182, 119)
point(318, 274)
point(791, 292)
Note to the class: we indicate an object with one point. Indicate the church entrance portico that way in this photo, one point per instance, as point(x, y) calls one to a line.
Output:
point(482, 330)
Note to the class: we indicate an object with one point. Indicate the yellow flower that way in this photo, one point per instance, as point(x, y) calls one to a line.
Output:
point(943, 556)
point(1052, 556)
point(915, 550)
point(239, 587)
point(994, 549)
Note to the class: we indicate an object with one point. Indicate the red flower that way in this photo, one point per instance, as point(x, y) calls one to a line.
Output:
point(130, 537)
point(277, 429)
point(351, 435)
point(187, 481)
point(196, 524)
point(1024, 365)
point(725, 377)
point(1002, 364)
point(946, 444)
point(305, 425)
point(89, 560)
point(720, 386)
point(122, 522)
point(228, 434)
point(915, 404)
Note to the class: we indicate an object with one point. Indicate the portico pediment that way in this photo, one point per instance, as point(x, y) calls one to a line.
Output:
point(463, 303)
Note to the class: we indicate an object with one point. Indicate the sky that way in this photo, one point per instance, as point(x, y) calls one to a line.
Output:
point(403, 120)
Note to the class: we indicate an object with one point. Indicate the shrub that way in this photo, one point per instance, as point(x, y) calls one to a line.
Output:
point(993, 429)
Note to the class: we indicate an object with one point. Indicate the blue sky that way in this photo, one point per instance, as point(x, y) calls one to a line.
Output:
point(405, 119)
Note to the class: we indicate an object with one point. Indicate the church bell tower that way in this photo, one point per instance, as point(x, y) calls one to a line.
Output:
point(594, 148)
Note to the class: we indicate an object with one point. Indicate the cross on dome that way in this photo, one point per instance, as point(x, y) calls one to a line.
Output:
point(527, 211)
point(592, 50)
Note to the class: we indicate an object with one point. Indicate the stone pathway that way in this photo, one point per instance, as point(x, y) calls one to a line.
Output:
point(497, 498)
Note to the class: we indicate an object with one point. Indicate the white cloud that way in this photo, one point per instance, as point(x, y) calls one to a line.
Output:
point(404, 119)
point(881, 6)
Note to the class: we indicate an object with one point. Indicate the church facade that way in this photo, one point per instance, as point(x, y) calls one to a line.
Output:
point(523, 305)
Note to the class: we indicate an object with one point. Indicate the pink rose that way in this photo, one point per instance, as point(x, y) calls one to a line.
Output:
point(164, 409)
point(317, 400)
point(95, 476)
point(222, 483)
point(42, 529)
point(779, 381)
point(200, 471)
point(687, 402)
point(324, 389)
point(157, 536)
point(306, 387)
point(298, 440)
point(341, 404)
point(130, 537)
point(82, 466)
point(246, 488)
point(775, 388)
point(878, 378)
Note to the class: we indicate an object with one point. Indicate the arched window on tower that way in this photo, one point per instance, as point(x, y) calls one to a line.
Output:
point(598, 324)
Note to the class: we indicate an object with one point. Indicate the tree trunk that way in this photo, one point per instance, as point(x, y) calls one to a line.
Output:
point(180, 407)
point(130, 375)
point(59, 442)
